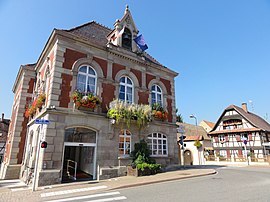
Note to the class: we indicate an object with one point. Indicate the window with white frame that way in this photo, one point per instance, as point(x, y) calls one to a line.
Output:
point(124, 142)
point(244, 136)
point(156, 95)
point(126, 89)
point(157, 144)
point(223, 153)
point(87, 79)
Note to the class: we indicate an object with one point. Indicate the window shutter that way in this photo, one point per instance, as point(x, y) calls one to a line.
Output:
point(240, 153)
point(238, 138)
point(250, 137)
point(228, 152)
point(216, 139)
point(226, 138)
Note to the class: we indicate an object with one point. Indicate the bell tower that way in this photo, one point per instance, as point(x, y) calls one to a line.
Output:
point(124, 32)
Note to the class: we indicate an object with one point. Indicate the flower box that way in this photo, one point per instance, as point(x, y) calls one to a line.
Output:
point(85, 101)
point(85, 108)
point(138, 172)
point(35, 106)
point(159, 113)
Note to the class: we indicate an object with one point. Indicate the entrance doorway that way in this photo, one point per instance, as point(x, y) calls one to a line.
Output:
point(188, 158)
point(78, 163)
point(79, 156)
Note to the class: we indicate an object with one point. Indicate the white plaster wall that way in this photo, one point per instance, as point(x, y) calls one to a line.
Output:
point(197, 155)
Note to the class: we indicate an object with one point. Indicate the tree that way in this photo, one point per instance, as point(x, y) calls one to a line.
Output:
point(179, 117)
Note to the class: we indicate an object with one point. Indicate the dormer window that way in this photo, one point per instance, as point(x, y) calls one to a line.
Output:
point(126, 39)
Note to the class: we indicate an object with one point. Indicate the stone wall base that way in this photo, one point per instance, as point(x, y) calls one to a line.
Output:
point(112, 172)
point(9, 172)
point(49, 177)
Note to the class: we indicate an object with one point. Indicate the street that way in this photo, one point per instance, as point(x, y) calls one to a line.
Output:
point(229, 184)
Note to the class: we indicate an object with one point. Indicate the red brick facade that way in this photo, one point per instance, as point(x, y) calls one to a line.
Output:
point(138, 74)
point(31, 85)
point(149, 77)
point(143, 98)
point(116, 69)
point(167, 84)
point(22, 142)
point(103, 65)
point(107, 95)
point(169, 108)
point(70, 57)
point(65, 89)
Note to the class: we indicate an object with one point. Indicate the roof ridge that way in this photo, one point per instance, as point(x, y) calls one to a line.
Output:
point(88, 23)
point(250, 119)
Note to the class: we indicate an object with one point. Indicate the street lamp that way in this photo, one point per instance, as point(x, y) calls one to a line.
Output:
point(192, 116)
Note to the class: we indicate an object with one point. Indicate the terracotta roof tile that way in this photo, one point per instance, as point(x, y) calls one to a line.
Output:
point(234, 131)
point(193, 138)
point(193, 131)
point(210, 124)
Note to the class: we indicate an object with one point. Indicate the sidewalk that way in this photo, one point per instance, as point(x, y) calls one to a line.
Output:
point(110, 184)
point(130, 181)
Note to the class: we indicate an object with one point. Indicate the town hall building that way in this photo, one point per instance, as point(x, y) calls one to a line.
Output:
point(60, 128)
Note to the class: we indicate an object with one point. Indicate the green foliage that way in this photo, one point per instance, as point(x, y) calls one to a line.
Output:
point(142, 166)
point(141, 153)
point(197, 144)
point(141, 158)
point(179, 117)
point(159, 112)
point(83, 99)
point(122, 111)
point(157, 107)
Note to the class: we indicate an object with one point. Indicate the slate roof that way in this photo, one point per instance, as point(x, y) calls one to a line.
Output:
point(93, 32)
point(258, 122)
point(97, 34)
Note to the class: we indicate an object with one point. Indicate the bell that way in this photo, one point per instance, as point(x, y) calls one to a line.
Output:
point(125, 36)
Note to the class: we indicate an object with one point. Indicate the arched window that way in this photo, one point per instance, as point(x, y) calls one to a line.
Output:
point(126, 89)
point(124, 142)
point(126, 39)
point(79, 134)
point(156, 95)
point(87, 79)
point(157, 144)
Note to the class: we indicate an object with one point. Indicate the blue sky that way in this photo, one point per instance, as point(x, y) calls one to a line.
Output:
point(221, 49)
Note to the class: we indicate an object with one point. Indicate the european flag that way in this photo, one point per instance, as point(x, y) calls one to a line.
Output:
point(140, 42)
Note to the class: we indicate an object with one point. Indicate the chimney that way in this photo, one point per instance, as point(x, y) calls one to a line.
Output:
point(2, 117)
point(244, 107)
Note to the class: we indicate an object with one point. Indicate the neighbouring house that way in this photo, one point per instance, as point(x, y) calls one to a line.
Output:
point(4, 124)
point(197, 145)
point(239, 133)
point(207, 125)
point(62, 103)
